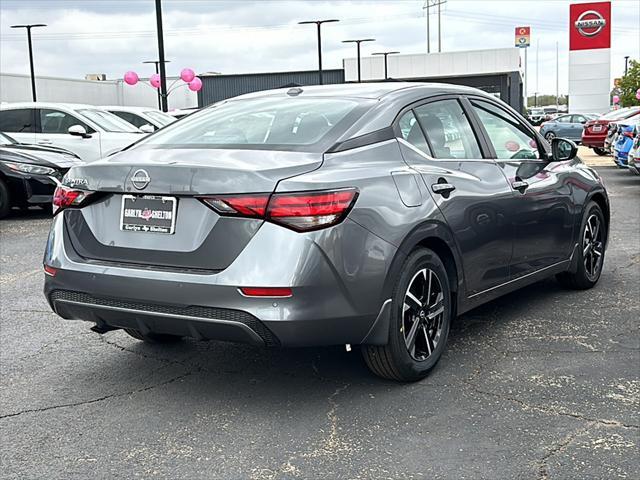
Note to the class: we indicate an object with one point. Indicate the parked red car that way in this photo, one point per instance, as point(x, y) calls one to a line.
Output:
point(595, 131)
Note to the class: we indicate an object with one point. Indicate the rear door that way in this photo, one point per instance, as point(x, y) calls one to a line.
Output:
point(437, 139)
point(19, 123)
point(577, 125)
point(541, 207)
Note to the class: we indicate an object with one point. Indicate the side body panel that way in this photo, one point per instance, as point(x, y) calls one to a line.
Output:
point(476, 211)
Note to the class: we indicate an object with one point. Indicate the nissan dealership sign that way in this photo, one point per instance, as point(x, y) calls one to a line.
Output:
point(589, 57)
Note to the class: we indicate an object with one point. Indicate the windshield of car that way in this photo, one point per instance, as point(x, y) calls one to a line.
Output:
point(6, 139)
point(290, 123)
point(162, 118)
point(107, 121)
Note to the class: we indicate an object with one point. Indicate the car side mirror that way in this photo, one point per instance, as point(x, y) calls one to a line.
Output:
point(147, 128)
point(78, 131)
point(563, 150)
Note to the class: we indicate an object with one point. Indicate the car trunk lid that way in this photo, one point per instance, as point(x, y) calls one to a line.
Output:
point(200, 238)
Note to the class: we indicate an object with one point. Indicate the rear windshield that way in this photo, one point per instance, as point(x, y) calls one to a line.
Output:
point(160, 117)
point(622, 113)
point(290, 123)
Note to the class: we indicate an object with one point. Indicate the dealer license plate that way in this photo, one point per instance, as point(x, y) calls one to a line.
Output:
point(148, 213)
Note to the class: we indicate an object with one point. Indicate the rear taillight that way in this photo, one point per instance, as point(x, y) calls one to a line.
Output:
point(64, 197)
point(254, 205)
point(310, 210)
point(300, 211)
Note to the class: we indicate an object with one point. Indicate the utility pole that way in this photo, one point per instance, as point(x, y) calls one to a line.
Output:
point(386, 54)
point(537, 71)
point(156, 63)
point(427, 5)
point(557, 80)
point(318, 23)
point(358, 42)
point(33, 77)
point(161, 60)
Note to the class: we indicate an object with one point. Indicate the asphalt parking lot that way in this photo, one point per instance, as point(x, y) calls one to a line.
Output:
point(543, 383)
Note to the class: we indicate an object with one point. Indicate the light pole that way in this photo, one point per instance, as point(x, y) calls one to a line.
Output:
point(626, 64)
point(33, 78)
point(161, 60)
point(318, 23)
point(386, 54)
point(156, 63)
point(358, 42)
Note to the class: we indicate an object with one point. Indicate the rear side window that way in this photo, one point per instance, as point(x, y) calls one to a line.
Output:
point(133, 119)
point(412, 133)
point(262, 123)
point(21, 120)
point(510, 138)
point(449, 133)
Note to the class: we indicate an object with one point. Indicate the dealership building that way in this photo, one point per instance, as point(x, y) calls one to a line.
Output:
point(496, 71)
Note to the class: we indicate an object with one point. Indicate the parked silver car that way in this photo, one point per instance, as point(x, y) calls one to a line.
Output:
point(348, 214)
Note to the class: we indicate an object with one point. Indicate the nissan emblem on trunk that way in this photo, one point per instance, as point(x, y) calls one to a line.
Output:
point(590, 23)
point(140, 179)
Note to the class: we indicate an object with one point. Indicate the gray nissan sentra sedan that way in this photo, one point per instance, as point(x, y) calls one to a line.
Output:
point(368, 214)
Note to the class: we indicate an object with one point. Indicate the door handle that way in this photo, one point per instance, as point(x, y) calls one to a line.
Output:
point(520, 185)
point(442, 188)
point(45, 141)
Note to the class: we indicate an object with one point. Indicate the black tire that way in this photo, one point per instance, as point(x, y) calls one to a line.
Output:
point(394, 361)
point(152, 337)
point(600, 151)
point(583, 278)
point(5, 200)
point(549, 136)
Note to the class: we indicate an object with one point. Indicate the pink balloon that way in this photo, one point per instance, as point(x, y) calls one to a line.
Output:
point(131, 78)
point(187, 75)
point(616, 99)
point(154, 80)
point(195, 85)
point(638, 94)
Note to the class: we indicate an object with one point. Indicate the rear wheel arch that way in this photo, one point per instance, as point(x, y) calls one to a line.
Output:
point(602, 202)
point(436, 236)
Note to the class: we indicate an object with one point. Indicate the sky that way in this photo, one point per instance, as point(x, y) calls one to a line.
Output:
point(241, 36)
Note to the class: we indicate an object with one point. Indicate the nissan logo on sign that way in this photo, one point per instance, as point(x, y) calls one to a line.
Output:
point(140, 179)
point(590, 23)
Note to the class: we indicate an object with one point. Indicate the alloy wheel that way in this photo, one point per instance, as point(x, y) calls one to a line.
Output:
point(550, 136)
point(422, 314)
point(592, 246)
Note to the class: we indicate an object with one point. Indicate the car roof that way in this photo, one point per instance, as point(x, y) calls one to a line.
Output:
point(70, 106)
point(369, 90)
point(125, 108)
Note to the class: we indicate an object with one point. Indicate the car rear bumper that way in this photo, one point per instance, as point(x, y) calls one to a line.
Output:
point(332, 301)
point(594, 141)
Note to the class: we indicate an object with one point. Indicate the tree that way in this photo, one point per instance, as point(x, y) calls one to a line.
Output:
point(629, 85)
point(544, 100)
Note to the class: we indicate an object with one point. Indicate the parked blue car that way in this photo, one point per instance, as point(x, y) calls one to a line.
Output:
point(623, 145)
point(568, 126)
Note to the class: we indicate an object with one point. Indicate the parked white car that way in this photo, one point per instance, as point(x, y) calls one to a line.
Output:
point(146, 119)
point(86, 130)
